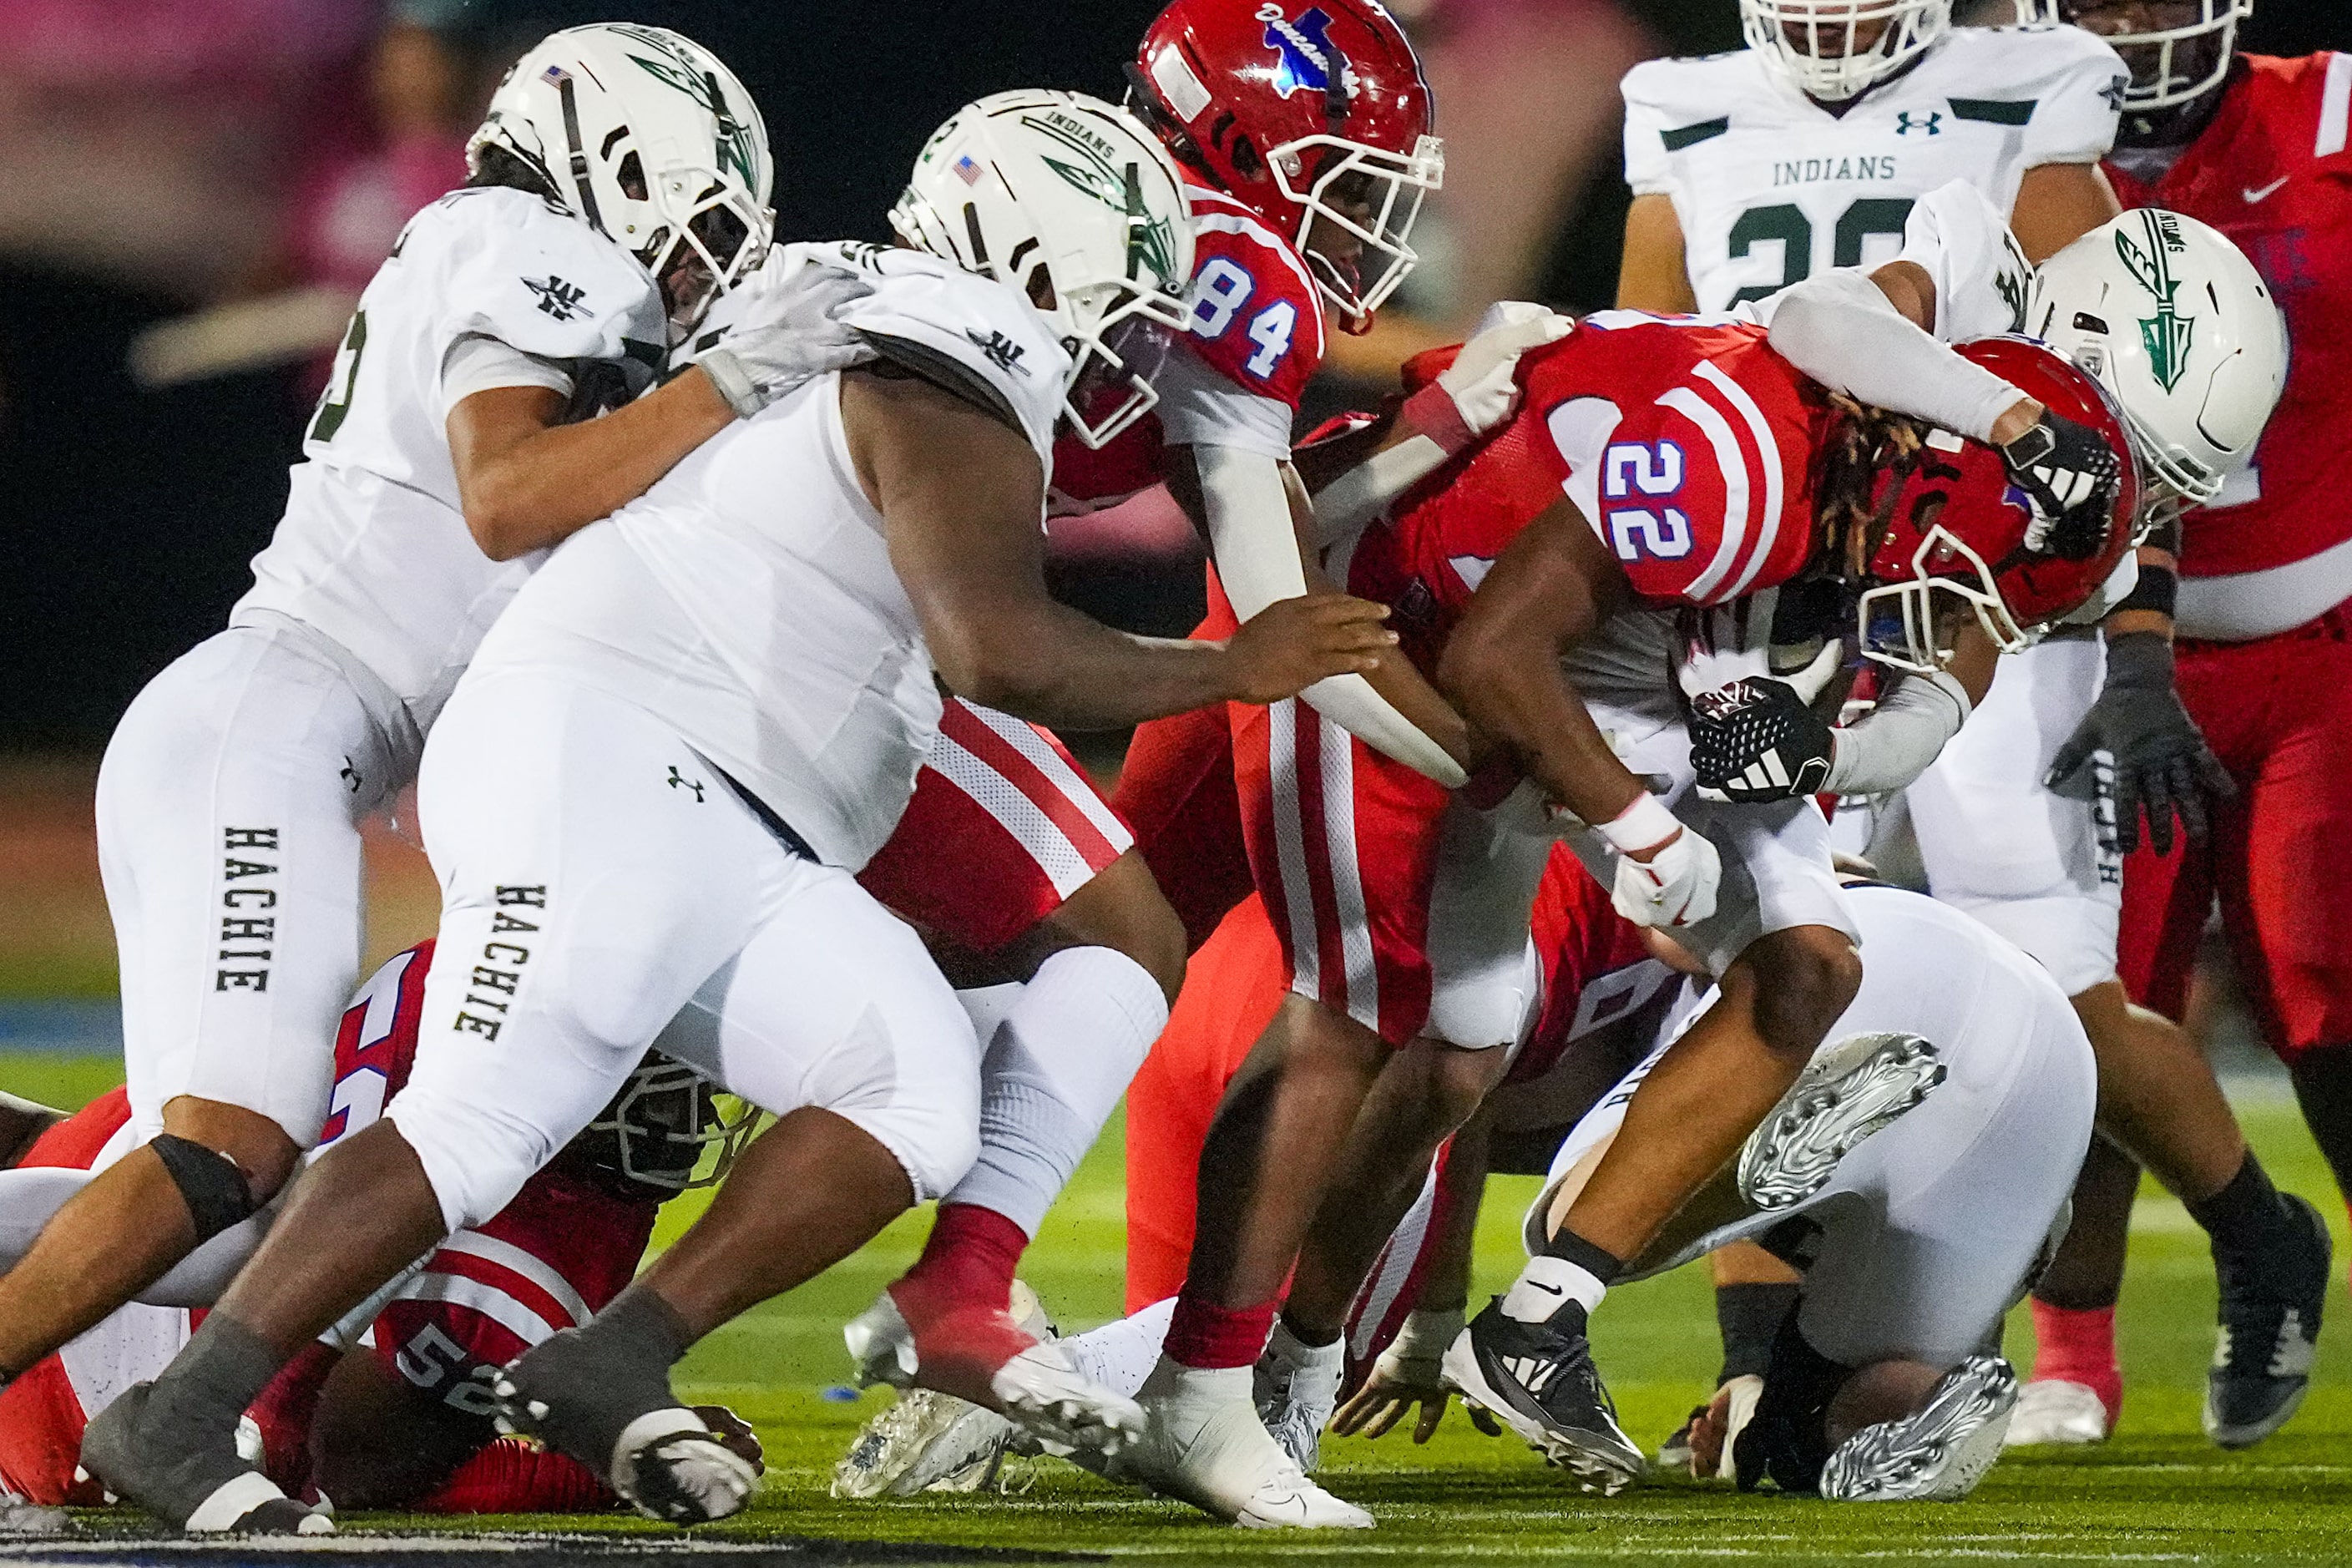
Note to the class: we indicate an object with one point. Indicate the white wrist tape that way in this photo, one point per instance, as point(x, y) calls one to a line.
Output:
point(1644, 824)
point(1425, 1335)
point(1839, 328)
point(1887, 748)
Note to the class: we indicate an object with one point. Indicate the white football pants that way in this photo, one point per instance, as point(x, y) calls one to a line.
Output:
point(601, 886)
point(228, 813)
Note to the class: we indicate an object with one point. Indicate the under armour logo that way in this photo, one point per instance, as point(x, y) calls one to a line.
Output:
point(350, 775)
point(1904, 124)
point(2114, 91)
point(679, 780)
point(557, 298)
point(1001, 351)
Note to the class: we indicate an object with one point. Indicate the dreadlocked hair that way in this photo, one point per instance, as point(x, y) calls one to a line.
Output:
point(1868, 442)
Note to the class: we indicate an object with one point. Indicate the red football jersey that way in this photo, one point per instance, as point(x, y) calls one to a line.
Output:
point(44, 1408)
point(1598, 971)
point(2273, 173)
point(1257, 320)
point(548, 1260)
point(1684, 440)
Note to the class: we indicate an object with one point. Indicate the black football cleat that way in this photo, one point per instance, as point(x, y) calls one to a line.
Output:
point(2269, 1333)
point(1538, 1378)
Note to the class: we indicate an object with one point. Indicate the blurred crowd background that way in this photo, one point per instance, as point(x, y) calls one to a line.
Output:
point(192, 191)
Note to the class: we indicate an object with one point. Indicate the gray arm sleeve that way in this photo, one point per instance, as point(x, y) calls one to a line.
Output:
point(1887, 748)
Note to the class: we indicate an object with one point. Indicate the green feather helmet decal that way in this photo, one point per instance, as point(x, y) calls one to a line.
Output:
point(733, 145)
point(2167, 334)
point(1149, 242)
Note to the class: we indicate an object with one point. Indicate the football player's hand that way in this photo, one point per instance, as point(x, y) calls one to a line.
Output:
point(1407, 1376)
point(1293, 643)
point(2161, 761)
point(2069, 474)
point(1756, 739)
point(1673, 885)
point(734, 1435)
point(1481, 384)
point(788, 334)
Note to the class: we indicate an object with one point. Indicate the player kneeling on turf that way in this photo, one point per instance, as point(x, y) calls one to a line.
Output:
point(1917, 1173)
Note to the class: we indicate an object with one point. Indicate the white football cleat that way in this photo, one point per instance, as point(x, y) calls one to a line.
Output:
point(2051, 1410)
point(1851, 1090)
point(1296, 1388)
point(1041, 1391)
point(1938, 1454)
point(927, 1441)
point(668, 1463)
point(1204, 1444)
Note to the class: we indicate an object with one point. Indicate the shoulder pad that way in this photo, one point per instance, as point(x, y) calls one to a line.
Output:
point(530, 274)
point(974, 337)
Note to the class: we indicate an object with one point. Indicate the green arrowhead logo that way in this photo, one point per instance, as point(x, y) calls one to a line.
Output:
point(732, 148)
point(1151, 242)
point(2167, 334)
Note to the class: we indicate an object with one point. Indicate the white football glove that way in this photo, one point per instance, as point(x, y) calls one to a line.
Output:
point(1481, 387)
point(788, 334)
point(1676, 885)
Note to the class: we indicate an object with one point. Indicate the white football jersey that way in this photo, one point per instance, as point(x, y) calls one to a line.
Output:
point(373, 549)
point(747, 599)
point(1771, 187)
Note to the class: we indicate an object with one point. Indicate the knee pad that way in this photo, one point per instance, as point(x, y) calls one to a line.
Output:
point(210, 1184)
point(1788, 1439)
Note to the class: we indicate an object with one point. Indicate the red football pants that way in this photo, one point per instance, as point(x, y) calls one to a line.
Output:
point(2278, 712)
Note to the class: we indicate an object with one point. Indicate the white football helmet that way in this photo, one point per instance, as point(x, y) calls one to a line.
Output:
point(2175, 322)
point(1076, 205)
point(1835, 49)
point(646, 136)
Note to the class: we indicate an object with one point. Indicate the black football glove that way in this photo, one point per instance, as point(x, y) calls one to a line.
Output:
point(1756, 739)
point(2161, 759)
point(2070, 475)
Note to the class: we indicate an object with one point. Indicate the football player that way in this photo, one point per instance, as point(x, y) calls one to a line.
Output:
point(393, 1409)
point(1916, 1174)
point(1420, 920)
point(1303, 184)
point(648, 794)
point(621, 178)
point(1858, 112)
point(2253, 146)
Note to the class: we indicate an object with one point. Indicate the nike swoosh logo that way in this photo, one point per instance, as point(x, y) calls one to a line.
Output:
point(2253, 195)
point(1548, 1289)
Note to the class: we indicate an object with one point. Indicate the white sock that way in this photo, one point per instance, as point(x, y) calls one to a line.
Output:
point(1054, 1072)
point(1121, 1353)
point(1546, 1284)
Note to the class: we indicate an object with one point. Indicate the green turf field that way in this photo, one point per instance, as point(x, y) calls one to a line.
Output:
point(2158, 1493)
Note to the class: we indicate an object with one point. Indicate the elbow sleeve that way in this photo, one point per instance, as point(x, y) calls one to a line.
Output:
point(1838, 328)
point(1894, 743)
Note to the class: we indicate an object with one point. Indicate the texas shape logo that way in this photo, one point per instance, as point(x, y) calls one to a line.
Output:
point(1303, 56)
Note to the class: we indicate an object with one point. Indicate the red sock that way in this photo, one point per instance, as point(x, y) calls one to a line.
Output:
point(956, 1299)
point(968, 1262)
point(1206, 1338)
point(2079, 1346)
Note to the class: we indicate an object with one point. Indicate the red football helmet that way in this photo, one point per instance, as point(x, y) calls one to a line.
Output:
point(1302, 109)
point(1959, 527)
